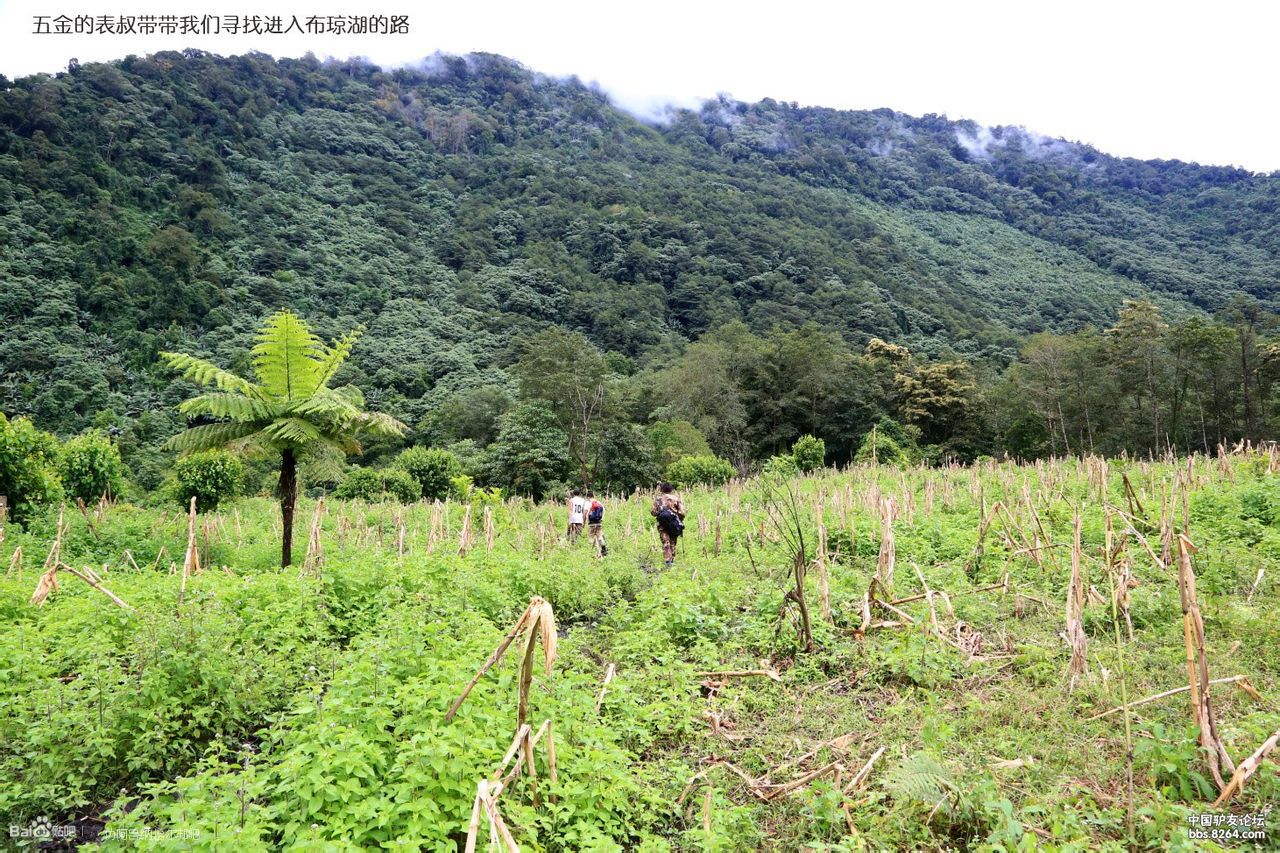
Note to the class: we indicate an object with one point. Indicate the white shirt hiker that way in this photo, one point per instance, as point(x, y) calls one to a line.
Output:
point(577, 510)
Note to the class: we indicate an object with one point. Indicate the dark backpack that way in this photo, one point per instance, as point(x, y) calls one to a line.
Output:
point(670, 523)
point(596, 515)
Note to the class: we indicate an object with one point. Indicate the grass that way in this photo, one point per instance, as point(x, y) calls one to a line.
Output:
point(305, 710)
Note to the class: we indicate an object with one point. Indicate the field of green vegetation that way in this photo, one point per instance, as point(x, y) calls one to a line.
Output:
point(963, 632)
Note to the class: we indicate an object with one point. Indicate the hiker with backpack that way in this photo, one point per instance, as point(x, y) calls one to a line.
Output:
point(669, 510)
point(577, 515)
point(595, 525)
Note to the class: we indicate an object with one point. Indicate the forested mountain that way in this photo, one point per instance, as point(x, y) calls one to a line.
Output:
point(464, 208)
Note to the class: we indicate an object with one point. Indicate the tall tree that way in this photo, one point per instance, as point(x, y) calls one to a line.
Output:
point(1137, 351)
point(1249, 319)
point(289, 410)
point(569, 373)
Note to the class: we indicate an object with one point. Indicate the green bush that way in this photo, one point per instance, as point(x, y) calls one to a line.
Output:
point(700, 471)
point(809, 453)
point(90, 466)
point(888, 443)
point(781, 466)
point(212, 477)
point(674, 440)
point(529, 456)
point(380, 485)
point(881, 449)
point(433, 469)
point(28, 475)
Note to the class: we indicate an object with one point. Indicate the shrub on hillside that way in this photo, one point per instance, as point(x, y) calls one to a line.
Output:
point(780, 466)
point(674, 440)
point(90, 467)
point(379, 485)
point(433, 469)
point(881, 449)
point(809, 453)
point(528, 457)
point(211, 477)
point(700, 471)
point(28, 472)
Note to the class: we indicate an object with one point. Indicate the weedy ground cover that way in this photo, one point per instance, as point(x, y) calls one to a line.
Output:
point(967, 646)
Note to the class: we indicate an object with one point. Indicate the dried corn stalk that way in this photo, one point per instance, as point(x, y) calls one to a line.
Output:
point(488, 790)
point(537, 620)
point(464, 537)
point(824, 581)
point(191, 565)
point(55, 550)
point(90, 577)
point(1198, 666)
point(888, 554)
point(315, 545)
point(1246, 769)
point(47, 584)
point(1076, 637)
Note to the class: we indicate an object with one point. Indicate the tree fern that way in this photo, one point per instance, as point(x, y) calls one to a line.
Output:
point(289, 409)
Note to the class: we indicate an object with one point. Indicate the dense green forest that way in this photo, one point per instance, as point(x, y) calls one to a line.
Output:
point(558, 291)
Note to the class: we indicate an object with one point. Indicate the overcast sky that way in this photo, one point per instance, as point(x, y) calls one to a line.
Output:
point(1135, 78)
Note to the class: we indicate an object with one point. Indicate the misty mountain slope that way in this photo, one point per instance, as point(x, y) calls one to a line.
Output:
point(993, 271)
point(168, 202)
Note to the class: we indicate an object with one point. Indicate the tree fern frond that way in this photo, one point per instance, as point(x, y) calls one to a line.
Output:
point(327, 405)
point(233, 407)
point(293, 432)
point(342, 442)
point(351, 394)
point(378, 423)
point(251, 445)
point(211, 436)
point(209, 374)
point(288, 357)
point(336, 355)
point(324, 461)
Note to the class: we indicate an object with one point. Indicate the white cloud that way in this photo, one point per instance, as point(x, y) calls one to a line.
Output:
point(1145, 79)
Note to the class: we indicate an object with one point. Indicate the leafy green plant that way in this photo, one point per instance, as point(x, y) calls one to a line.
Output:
point(371, 484)
point(211, 476)
point(780, 467)
point(809, 453)
point(90, 466)
point(1172, 762)
point(530, 455)
point(883, 448)
point(28, 459)
point(434, 469)
point(1260, 503)
point(700, 471)
point(914, 659)
point(677, 439)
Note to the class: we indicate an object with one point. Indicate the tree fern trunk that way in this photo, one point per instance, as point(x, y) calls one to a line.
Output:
point(288, 502)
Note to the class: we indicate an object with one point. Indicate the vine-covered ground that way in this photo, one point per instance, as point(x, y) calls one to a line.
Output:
point(249, 707)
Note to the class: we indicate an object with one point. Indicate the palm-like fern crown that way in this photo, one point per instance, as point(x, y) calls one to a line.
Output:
point(291, 406)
